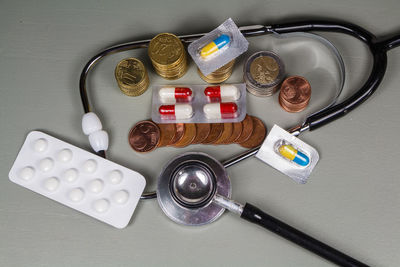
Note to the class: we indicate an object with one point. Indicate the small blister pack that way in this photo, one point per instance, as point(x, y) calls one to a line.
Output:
point(218, 47)
point(78, 179)
point(199, 103)
point(288, 154)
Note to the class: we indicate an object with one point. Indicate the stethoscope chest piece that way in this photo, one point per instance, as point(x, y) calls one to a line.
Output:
point(187, 185)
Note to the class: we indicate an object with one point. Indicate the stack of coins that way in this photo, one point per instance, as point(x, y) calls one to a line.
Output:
point(263, 72)
point(146, 135)
point(295, 94)
point(168, 56)
point(131, 76)
point(220, 75)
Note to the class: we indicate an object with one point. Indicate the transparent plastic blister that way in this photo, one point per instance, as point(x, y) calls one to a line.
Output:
point(218, 47)
point(288, 154)
point(199, 103)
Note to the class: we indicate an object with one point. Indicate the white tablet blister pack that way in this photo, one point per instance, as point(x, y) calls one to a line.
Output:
point(78, 179)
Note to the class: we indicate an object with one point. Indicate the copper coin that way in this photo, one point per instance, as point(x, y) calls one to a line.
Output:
point(226, 133)
point(258, 135)
point(144, 136)
point(295, 94)
point(167, 131)
point(202, 131)
point(247, 129)
point(180, 131)
point(236, 131)
point(215, 132)
point(188, 137)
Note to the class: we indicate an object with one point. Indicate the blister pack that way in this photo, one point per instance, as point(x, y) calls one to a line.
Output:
point(78, 179)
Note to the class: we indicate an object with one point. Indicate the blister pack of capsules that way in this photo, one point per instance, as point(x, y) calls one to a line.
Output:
point(288, 154)
point(78, 179)
point(199, 103)
point(218, 47)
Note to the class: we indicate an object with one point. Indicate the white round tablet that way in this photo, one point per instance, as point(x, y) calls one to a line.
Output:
point(46, 164)
point(51, 184)
point(96, 186)
point(76, 194)
point(101, 205)
point(40, 145)
point(27, 173)
point(70, 175)
point(90, 166)
point(115, 176)
point(64, 155)
point(121, 197)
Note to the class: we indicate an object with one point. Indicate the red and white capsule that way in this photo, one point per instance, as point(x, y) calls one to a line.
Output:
point(223, 93)
point(220, 110)
point(177, 111)
point(173, 95)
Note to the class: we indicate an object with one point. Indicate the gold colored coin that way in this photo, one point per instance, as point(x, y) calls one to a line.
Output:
point(131, 76)
point(165, 48)
point(264, 69)
point(220, 75)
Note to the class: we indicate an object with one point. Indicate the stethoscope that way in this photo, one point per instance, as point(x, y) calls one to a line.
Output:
point(194, 188)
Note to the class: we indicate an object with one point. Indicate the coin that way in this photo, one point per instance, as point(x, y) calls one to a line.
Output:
point(220, 75)
point(226, 133)
point(167, 133)
point(264, 70)
point(131, 76)
point(215, 132)
point(247, 129)
point(188, 137)
point(258, 135)
point(236, 131)
point(144, 136)
point(202, 131)
point(295, 94)
point(180, 131)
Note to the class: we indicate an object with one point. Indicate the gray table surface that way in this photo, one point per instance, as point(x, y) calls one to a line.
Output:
point(352, 200)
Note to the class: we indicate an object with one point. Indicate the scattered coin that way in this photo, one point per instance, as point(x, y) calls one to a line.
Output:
point(257, 136)
point(226, 133)
point(144, 136)
point(247, 129)
point(202, 132)
point(188, 137)
point(215, 132)
point(236, 132)
point(167, 133)
point(180, 131)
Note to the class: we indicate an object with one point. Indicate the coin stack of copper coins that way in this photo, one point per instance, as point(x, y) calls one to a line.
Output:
point(263, 72)
point(168, 56)
point(131, 76)
point(146, 135)
point(220, 75)
point(295, 94)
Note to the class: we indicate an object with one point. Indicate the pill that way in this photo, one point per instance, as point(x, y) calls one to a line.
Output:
point(27, 173)
point(222, 93)
point(46, 164)
point(40, 145)
point(121, 197)
point(90, 166)
point(178, 111)
point(220, 110)
point(115, 176)
point(294, 155)
point(76, 194)
point(175, 94)
point(51, 184)
point(215, 45)
point(64, 155)
point(96, 186)
point(70, 175)
point(101, 205)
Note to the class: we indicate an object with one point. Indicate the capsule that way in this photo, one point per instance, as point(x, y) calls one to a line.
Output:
point(222, 93)
point(178, 111)
point(220, 110)
point(214, 46)
point(175, 94)
point(294, 155)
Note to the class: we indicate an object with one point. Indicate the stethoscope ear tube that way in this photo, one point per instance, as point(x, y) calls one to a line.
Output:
point(255, 215)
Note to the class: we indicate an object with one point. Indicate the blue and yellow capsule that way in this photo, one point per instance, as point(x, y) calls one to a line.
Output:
point(215, 45)
point(294, 155)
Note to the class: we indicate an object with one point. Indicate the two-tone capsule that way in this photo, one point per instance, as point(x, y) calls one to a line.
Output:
point(220, 110)
point(173, 95)
point(214, 46)
point(294, 155)
point(222, 93)
point(177, 111)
